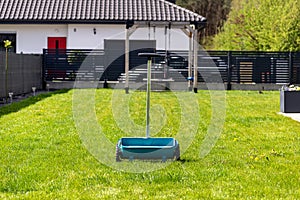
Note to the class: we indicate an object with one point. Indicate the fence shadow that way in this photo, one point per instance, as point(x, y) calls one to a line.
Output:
point(16, 106)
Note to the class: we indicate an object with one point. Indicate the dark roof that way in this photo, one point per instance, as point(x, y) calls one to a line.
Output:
point(94, 11)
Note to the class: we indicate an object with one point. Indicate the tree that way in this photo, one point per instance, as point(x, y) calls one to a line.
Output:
point(266, 25)
point(215, 11)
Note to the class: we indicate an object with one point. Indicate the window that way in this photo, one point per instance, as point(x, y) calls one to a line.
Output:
point(8, 36)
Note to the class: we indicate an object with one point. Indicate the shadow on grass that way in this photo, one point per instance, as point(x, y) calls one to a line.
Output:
point(16, 106)
point(187, 160)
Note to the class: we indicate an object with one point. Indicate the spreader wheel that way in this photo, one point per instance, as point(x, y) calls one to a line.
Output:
point(118, 156)
point(177, 153)
point(118, 159)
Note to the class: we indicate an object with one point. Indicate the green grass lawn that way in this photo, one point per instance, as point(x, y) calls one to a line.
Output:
point(256, 157)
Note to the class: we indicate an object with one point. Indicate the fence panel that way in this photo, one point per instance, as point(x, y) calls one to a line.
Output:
point(212, 66)
point(241, 67)
point(67, 64)
point(260, 67)
point(295, 71)
point(23, 72)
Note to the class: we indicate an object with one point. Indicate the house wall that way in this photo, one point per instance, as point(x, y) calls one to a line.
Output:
point(177, 41)
point(81, 36)
point(32, 38)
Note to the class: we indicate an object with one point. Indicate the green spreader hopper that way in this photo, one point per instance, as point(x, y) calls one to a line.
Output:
point(146, 147)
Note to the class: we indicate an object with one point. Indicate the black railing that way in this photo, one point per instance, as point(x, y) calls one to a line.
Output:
point(230, 66)
point(67, 64)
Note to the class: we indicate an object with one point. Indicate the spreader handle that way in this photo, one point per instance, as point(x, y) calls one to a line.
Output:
point(149, 57)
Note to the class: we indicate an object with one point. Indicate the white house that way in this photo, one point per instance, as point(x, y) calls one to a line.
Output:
point(34, 25)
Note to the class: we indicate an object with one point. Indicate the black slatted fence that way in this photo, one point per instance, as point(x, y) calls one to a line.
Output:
point(23, 72)
point(232, 66)
point(67, 64)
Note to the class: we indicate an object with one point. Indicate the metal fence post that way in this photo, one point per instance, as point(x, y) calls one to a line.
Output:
point(43, 70)
point(6, 75)
point(127, 60)
point(21, 61)
point(229, 70)
point(290, 67)
point(196, 43)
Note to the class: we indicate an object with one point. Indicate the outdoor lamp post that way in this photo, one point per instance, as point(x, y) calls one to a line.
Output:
point(10, 94)
point(7, 45)
point(33, 90)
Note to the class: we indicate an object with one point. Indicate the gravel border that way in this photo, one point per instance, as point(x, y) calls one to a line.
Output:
point(21, 97)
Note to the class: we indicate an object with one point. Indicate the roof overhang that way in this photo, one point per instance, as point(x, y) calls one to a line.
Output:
point(170, 24)
point(129, 23)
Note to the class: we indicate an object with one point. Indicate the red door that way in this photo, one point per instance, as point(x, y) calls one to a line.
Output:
point(57, 42)
point(57, 50)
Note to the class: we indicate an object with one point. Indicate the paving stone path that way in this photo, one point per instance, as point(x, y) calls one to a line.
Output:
point(294, 116)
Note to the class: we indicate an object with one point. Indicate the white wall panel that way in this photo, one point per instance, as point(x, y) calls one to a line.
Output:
point(177, 40)
point(82, 36)
point(33, 38)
